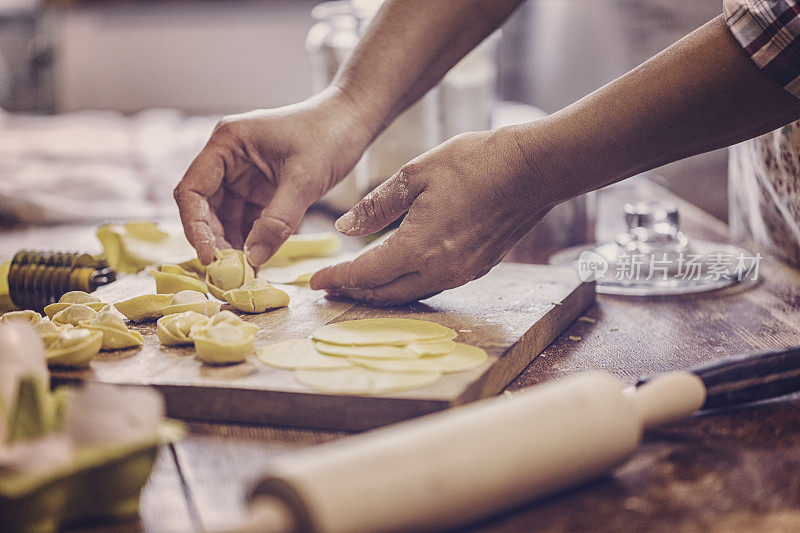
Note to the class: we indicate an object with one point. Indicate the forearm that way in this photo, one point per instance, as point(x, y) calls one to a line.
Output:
point(409, 47)
point(702, 93)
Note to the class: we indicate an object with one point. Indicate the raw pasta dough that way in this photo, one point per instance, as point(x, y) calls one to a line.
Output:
point(115, 335)
point(25, 315)
point(375, 351)
point(133, 246)
point(299, 354)
point(174, 279)
point(190, 300)
point(392, 331)
point(409, 351)
point(74, 314)
point(144, 307)
point(256, 296)
point(225, 338)
point(306, 245)
point(463, 358)
point(230, 270)
point(173, 329)
point(74, 297)
point(74, 347)
point(362, 381)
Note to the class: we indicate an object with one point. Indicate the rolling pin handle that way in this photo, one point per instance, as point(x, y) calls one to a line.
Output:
point(667, 398)
point(748, 378)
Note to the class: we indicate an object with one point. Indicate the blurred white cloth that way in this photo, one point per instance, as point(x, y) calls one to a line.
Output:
point(95, 165)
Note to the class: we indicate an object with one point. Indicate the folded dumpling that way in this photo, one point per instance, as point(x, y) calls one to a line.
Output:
point(174, 279)
point(74, 347)
point(225, 338)
point(230, 270)
point(144, 307)
point(26, 315)
point(74, 297)
point(191, 301)
point(256, 296)
point(116, 335)
point(74, 314)
point(173, 329)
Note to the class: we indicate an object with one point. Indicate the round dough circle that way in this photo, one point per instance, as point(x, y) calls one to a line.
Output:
point(394, 331)
point(432, 347)
point(298, 354)
point(362, 381)
point(463, 358)
point(373, 352)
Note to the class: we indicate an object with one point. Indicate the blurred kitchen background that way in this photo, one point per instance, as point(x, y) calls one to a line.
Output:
point(135, 87)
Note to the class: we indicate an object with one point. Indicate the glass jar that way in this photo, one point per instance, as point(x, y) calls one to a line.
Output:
point(468, 91)
point(330, 42)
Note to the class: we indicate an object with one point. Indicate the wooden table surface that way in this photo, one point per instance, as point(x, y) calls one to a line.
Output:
point(735, 470)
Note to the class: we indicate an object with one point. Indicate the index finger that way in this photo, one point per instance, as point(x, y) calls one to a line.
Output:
point(200, 224)
point(375, 267)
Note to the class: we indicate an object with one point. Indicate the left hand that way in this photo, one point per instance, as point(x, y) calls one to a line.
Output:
point(468, 201)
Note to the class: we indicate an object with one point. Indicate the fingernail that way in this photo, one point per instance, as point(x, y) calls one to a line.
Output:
point(258, 254)
point(346, 222)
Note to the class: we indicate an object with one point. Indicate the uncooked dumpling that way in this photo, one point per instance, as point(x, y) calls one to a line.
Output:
point(133, 246)
point(463, 358)
point(296, 354)
point(191, 301)
point(194, 266)
point(230, 270)
point(225, 338)
point(146, 306)
point(74, 347)
point(392, 331)
point(26, 315)
point(362, 381)
point(74, 314)
point(116, 335)
point(173, 329)
point(256, 296)
point(174, 279)
point(74, 297)
point(49, 331)
point(306, 245)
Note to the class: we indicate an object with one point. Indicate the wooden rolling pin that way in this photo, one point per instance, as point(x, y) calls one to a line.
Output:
point(454, 467)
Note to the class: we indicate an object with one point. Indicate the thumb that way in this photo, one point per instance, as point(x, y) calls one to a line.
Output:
point(275, 224)
point(381, 207)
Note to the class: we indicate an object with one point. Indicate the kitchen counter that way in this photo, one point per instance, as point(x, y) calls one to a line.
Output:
point(733, 470)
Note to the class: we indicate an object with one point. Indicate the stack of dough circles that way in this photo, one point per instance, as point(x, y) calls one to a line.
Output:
point(374, 356)
point(382, 331)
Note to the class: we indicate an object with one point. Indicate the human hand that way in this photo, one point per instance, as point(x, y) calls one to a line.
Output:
point(468, 200)
point(251, 184)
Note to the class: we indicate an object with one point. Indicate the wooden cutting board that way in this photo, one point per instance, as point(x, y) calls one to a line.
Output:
point(514, 312)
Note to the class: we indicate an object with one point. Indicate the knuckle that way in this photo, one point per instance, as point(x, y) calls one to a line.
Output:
point(410, 170)
point(180, 193)
point(371, 208)
point(225, 127)
point(351, 278)
point(276, 227)
point(426, 259)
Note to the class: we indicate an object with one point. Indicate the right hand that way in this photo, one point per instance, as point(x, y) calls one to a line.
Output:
point(259, 172)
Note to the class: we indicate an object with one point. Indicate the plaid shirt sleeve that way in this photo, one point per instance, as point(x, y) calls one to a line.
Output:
point(769, 31)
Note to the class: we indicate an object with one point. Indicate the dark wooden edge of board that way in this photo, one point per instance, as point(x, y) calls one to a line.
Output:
point(503, 372)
